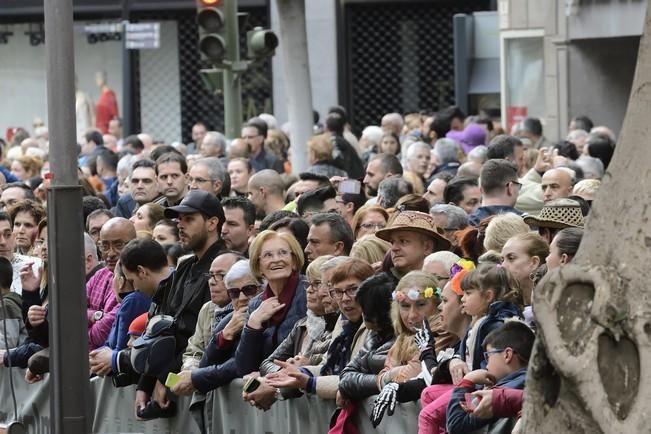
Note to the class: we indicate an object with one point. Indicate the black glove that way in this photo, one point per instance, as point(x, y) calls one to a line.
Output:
point(385, 401)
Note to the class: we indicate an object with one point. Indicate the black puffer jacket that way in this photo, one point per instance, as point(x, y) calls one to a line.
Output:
point(358, 379)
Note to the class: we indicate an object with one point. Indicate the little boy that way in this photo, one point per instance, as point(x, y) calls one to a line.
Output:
point(507, 351)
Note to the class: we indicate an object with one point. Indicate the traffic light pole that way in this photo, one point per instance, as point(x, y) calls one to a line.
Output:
point(232, 74)
point(69, 386)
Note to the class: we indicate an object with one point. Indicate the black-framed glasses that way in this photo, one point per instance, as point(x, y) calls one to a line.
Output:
point(247, 290)
point(495, 351)
point(516, 183)
point(217, 276)
point(338, 293)
point(371, 226)
point(315, 285)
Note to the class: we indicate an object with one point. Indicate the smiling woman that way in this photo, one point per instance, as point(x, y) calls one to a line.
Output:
point(277, 258)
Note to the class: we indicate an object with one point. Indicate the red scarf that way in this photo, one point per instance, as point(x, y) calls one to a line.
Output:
point(286, 296)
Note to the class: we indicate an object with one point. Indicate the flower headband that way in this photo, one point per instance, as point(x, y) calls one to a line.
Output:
point(462, 264)
point(413, 294)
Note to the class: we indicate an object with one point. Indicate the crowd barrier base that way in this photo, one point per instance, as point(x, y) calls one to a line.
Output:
point(225, 412)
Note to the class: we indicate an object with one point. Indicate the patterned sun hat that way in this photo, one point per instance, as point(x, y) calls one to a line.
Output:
point(416, 221)
point(557, 214)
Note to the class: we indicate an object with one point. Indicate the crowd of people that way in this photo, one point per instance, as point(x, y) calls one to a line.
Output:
point(402, 263)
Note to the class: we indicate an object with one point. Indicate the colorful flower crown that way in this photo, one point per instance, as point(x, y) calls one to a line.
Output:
point(414, 294)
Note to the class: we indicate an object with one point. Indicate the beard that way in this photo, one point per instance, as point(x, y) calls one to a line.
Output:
point(195, 242)
point(370, 191)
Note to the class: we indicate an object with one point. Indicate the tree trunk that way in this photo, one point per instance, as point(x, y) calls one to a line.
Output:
point(590, 369)
point(298, 88)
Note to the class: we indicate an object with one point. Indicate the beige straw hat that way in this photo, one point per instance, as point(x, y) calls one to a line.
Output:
point(557, 214)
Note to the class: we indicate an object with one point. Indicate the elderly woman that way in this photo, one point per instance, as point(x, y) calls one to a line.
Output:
point(217, 366)
point(278, 258)
point(439, 264)
point(349, 335)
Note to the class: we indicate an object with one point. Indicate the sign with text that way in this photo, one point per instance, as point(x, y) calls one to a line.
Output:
point(142, 36)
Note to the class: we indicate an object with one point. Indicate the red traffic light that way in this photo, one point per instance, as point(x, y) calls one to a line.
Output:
point(210, 2)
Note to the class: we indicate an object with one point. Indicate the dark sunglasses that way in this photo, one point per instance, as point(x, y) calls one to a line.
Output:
point(247, 290)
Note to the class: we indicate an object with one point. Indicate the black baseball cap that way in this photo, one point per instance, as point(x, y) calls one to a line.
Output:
point(197, 201)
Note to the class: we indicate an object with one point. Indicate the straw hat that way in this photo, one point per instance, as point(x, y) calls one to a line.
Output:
point(415, 221)
point(557, 214)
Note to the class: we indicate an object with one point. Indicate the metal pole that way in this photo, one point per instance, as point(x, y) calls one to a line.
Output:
point(69, 389)
point(232, 80)
point(126, 72)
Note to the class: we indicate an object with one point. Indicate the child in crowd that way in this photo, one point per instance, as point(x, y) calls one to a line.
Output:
point(490, 296)
point(507, 351)
point(11, 311)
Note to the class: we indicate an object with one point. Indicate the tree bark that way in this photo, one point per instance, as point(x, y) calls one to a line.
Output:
point(590, 369)
point(298, 88)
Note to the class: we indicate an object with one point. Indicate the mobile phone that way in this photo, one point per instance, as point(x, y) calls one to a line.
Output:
point(352, 186)
point(471, 401)
point(172, 379)
point(251, 384)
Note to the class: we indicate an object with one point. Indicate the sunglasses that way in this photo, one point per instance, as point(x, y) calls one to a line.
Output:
point(247, 290)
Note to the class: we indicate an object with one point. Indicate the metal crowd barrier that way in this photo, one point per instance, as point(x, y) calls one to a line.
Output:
point(225, 412)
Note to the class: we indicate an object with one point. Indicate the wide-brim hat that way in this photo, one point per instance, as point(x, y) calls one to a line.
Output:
point(416, 221)
point(558, 214)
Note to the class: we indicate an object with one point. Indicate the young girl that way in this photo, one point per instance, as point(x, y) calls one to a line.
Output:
point(415, 299)
point(490, 296)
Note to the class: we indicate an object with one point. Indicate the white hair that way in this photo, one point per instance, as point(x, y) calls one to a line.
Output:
point(89, 246)
point(332, 263)
point(36, 152)
point(576, 135)
point(593, 168)
point(446, 150)
point(270, 120)
point(373, 133)
point(478, 154)
point(448, 259)
point(416, 146)
point(239, 270)
point(125, 164)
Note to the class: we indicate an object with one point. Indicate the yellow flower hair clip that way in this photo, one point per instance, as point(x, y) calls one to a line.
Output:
point(429, 292)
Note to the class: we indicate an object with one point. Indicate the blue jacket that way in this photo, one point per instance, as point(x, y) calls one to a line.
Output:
point(217, 366)
point(486, 211)
point(498, 311)
point(133, 305)
point(256, 345)
point(460, 422)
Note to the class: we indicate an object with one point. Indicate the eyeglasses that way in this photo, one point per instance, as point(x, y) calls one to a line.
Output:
point(282, 253)
point(338, 293)
point(371, 226)
point(315, 285)
point(496, 351)
point(105, 246)
point(516, 183)
point(247, 290)
point(216, 276)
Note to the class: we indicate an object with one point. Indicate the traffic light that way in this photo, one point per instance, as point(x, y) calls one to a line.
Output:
point(212, 35)
point(260, 43)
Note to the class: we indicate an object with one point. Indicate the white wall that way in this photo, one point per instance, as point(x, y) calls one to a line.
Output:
point(23, 82)
point(322, 47)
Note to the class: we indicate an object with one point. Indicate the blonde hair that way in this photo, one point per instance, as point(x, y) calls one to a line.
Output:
point(370, 248)
point(587, 188)
point(415, 181)
point(321, 147)
point(501, 228)
point(256, 249)
point(361, 213)
point(313, 271)
point(404, 348)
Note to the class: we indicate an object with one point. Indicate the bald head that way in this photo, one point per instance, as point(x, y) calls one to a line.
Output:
point(113, 236)
point(268, 179)
point(557, 183)
point(146, 140)
point(392, 123)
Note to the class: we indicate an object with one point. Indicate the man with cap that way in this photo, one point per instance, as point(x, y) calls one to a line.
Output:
point(556, 215)
point(413, 235)
point(199, 218)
